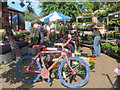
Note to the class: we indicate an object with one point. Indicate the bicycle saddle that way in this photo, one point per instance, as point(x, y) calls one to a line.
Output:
point(38, 46)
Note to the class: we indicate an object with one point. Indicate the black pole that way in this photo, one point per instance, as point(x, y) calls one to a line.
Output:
point(18, 21)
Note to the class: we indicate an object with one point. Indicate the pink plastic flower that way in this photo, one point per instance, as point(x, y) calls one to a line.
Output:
point(108, 5)
point(103, 6)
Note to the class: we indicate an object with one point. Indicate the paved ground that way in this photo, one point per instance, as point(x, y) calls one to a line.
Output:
point(101, 77)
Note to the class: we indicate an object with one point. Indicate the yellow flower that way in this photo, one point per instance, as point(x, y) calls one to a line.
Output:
point(90, 60)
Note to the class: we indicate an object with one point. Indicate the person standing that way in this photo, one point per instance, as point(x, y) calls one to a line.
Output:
point(41, 33)
point(48, 29)
point(98, 26)
point(52, 32)
point(52, 27)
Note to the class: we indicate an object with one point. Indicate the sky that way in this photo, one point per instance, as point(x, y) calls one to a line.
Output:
point(34, 4)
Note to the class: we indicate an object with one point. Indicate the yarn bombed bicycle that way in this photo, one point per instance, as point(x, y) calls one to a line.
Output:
point(29, 68)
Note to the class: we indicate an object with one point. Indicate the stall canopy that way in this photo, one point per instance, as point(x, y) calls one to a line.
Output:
point(55, 16)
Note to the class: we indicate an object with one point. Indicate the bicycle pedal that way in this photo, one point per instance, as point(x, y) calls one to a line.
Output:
point(48, 81)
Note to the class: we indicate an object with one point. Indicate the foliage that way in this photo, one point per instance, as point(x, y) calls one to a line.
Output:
point(27, 37)
point(105, 25)
point(89, 6)
point(103, 46)
point(88, 23)
point(112, 22)
point(20, 34)
point(114, 35)
point(71, 9)
point(115, 48)
point(90, 38)
point(81, 27)
point(92, 62)
point(61, 29)
point(109, 8)
point(93, 6)
point(17, 37)
point(114, 7)
point(118, 22)
point(110, 46)
point(34, 39)
point(29, 16)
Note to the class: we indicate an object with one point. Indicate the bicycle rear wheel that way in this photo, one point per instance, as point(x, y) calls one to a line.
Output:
point(22, 64)
point(82, 72)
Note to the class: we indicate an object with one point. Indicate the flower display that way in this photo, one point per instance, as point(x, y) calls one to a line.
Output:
point(112, 22)
point(104, 6)
point(118, 22)
point(90, 61)
point(111, 48)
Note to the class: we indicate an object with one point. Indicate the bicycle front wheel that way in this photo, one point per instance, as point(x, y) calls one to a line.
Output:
point(74, 80)
point(22, 64)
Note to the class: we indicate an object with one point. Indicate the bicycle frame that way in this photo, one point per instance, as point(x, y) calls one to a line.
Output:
point(53, 50)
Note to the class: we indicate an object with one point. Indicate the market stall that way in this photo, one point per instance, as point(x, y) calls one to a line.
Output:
point(111, 45)
point(55, 16)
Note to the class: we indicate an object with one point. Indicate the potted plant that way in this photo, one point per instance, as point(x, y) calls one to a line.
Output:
point(115, 49)
point(27, 38)
point(117, 35)
point(103, 46)
point(118, 7)
point(90, 39)
point(108, 48)
point(118, 22)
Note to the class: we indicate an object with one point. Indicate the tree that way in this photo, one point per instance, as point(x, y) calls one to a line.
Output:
point(92, 6)
point(89, 6)
point(72, 9)
point(29, 16)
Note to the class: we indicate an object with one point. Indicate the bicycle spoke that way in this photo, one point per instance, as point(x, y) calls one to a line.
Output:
point(24, 75)
point(73, 79)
